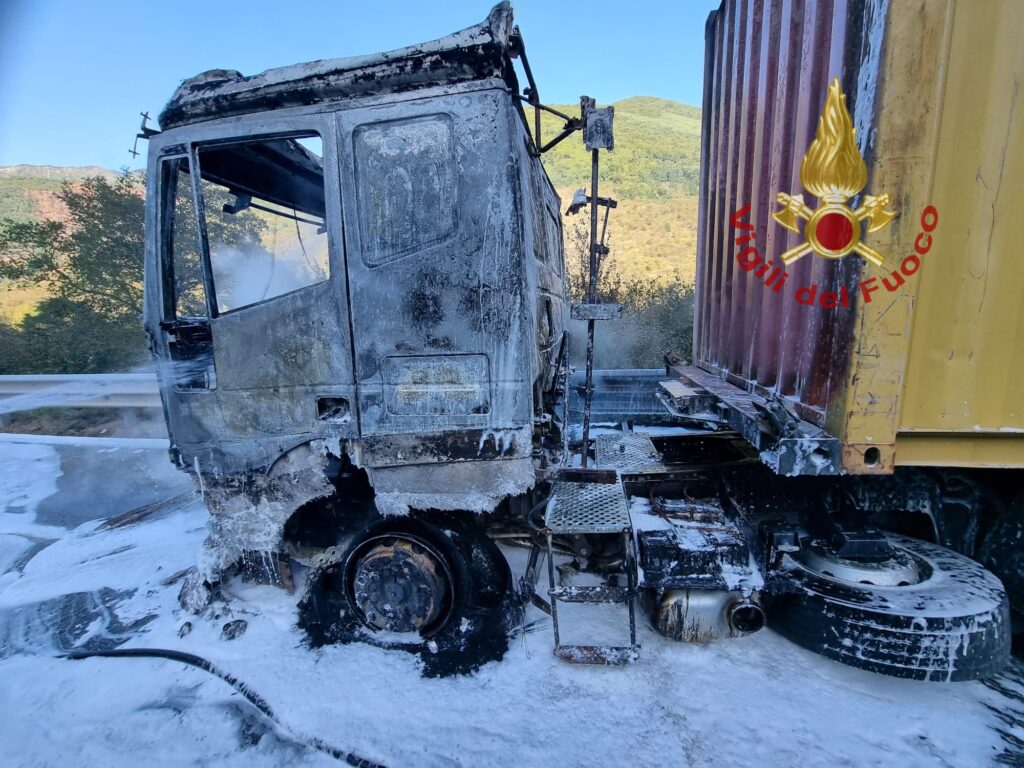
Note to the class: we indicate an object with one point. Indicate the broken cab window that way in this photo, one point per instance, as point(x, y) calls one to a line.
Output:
point(186, 317)
point(182, 251)
point(264, 210)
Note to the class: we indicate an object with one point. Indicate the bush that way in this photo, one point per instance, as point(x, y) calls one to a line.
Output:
point(657, 316)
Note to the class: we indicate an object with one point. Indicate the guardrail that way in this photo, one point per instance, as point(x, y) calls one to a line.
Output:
point(100, 390)
point(130, 443)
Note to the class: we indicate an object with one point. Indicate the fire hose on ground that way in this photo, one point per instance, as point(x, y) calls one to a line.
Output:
point(250, 695)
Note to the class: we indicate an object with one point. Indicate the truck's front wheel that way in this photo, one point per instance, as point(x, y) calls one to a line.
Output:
point(439, 588)
point(400, 582)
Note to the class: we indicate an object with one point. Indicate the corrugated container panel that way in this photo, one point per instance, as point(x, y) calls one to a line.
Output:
point(930, 372)
point(768, 66)
point(945, 381)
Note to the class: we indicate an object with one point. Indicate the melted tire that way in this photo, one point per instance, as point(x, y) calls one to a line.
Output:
point(484, 607)
point(954, 625)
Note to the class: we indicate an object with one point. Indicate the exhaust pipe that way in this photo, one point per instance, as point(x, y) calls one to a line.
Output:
point(745, 617)
point(699, 616)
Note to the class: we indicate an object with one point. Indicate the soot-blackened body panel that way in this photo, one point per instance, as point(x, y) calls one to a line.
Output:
point(429, 319)
point(439, 313)
point(442, 312)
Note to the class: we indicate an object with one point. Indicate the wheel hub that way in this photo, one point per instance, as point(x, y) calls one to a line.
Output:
point(400, 584)
point(901, 569)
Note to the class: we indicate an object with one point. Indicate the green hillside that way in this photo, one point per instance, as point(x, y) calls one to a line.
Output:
point(653, 172)
point(28, 192)
point(656, 155)
point(20, 197)
point(55, 172)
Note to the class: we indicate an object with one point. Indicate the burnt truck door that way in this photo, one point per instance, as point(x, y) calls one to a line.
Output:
point(254, 319)
point(440, 321)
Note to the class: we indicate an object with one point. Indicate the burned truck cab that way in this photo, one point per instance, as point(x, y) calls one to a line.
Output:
point(358, 261)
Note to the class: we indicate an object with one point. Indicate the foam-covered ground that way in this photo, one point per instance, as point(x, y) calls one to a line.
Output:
point(754, 701)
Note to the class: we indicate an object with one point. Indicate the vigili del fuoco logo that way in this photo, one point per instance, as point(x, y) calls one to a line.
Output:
point(834, 172)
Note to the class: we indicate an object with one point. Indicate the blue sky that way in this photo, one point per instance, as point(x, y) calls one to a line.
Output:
point(74, 75)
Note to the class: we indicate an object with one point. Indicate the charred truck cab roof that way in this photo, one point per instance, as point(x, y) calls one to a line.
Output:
point(355, 258)
point(479, 53)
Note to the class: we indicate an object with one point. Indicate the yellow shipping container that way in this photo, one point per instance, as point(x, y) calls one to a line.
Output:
point(931, 373)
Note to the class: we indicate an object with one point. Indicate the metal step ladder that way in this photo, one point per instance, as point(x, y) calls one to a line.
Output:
point(592, 509)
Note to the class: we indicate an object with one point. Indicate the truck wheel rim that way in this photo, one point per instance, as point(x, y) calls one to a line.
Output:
point(902, 569)
point(399, 583)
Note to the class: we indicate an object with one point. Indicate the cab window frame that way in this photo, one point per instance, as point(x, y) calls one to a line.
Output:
point(169, 167)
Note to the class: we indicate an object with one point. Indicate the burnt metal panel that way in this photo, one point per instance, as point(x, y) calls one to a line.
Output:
point(439, 301)
point(476, 53)
point(768, 64)
point(787, 444)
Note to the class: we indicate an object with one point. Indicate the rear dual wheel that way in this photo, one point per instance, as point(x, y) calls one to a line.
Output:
point(926, 613)
point(1001, 551)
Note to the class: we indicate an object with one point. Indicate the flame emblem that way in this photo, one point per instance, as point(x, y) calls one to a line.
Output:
point(833, 171)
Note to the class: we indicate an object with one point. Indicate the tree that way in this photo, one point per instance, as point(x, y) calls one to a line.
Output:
point(94, 257)
point(15, 357)
point(91, 264)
